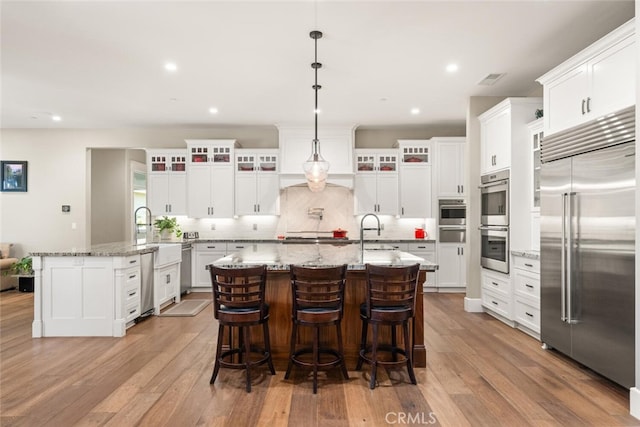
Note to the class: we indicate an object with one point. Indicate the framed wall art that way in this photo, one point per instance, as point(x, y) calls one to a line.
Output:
point(13, 176)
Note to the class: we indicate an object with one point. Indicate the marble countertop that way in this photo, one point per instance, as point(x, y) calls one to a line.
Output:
point(278, 256)
point(526, 253)
point(106, 249)
point(127, 248)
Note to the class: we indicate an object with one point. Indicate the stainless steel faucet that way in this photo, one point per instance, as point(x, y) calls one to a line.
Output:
point(362, 228)
point(136, 226)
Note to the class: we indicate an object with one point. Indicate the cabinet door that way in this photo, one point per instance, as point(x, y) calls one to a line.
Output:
point(563, 100)
point(268, 191)
point(387, 193)
point(415, 191)
point(177, 201)
point(365, 190)
point(202, 278)
point(245, 200)
point(496, 142)
point(450, 160)
point(612, 79)
point(448, 265)
point(199, 191)
point(158, 193)
point(222, 192)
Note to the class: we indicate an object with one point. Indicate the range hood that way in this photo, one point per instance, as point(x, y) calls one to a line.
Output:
point(336, 146)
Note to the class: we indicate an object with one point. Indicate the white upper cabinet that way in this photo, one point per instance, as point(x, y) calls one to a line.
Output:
point(415, 178)
point(257, 182)
point(597, 81)
point(210, 178)
point(376, 181)
point(167, 181)
point(503, 127)
point(450, 167)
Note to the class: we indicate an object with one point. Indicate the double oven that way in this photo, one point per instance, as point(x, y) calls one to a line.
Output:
point(494, 229)
point(452, 221)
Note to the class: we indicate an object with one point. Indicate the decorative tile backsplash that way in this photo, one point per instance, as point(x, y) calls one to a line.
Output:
point(337, 207)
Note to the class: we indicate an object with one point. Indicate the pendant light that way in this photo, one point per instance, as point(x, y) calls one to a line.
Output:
point(316, 168)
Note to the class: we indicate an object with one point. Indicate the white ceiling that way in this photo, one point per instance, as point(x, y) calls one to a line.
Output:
point(100, 64)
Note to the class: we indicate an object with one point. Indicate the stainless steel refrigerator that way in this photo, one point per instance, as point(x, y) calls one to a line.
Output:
point(587, 245)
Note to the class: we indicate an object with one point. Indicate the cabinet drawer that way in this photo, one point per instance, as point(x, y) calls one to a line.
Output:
point(132, 312)
point(132, 295)
point(132, 277)
point(528, 264)
point(527, 283)
point(421, 247)
point(527, 315)
point(496, 303)
point(498, 285)
point(211, 247)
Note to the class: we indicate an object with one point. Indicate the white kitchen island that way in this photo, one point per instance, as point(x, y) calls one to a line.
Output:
point(97, 291)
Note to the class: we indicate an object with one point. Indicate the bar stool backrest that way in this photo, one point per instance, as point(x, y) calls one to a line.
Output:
point(391, 291)
point(238, 290)
point(318, 289)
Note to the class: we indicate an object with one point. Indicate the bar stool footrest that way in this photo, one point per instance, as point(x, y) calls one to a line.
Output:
point(337, 361)
point(264, 358)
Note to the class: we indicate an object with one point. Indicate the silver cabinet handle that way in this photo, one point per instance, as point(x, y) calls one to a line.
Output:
point(529, 286)
point(528, 265)
point(563, 263)
point(583, 107)
point(168, 278)
point(588, 105)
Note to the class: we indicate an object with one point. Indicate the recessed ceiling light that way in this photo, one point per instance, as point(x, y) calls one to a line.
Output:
point(452, 68)
point(171, 67)
point(213, 110)
point(415, 111)
point(56, 118)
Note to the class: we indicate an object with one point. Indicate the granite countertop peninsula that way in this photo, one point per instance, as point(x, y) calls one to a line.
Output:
point(526, 253)
point(322, 240)
point(279, 257)
point(106, 249)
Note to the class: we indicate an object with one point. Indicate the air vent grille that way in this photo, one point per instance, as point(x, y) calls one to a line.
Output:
point(491, 79)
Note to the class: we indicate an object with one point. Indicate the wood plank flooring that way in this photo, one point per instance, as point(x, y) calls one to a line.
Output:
point(479, 373)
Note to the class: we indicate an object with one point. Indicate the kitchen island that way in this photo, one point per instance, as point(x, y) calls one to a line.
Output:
point(278, 258)
point(97, 291)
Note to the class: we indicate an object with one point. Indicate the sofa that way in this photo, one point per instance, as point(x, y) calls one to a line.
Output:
point(6, 280)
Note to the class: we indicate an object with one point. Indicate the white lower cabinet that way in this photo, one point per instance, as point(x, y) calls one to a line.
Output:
point(526, 286)
point(166, 285)
point(497, 295)
point(452, 269)
point(426, 250)
point(205, 253)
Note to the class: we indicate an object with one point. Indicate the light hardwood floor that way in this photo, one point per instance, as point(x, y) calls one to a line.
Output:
point(479, 373)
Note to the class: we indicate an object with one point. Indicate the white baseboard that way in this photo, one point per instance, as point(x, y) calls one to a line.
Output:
point(473, 305)
point(634, 402)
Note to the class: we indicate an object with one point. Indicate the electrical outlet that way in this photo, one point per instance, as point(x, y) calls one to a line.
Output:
point(255, 226)
point(213, 226)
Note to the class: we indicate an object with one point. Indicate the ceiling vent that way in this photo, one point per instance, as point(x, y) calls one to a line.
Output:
point(491, 79)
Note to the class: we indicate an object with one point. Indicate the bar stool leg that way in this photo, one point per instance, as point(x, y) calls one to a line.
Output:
point(394, 343)
point(267, 346)
point(341, 350)
point(408, 352)
point(316, 357)
point(374, 356)
point(363, 342)
point(247, 359)
point(216, 365)
point(292, 349)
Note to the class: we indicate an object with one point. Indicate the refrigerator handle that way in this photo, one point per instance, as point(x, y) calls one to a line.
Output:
point(570, 258)
point(563, 254)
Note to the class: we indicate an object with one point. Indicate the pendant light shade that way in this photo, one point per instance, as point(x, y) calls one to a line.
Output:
point(316, 168)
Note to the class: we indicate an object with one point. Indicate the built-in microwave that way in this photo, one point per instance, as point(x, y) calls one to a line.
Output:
point(494, 203)
point(494, 252)
point(452, 212)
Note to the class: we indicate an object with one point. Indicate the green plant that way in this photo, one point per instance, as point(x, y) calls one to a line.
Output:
point(169, 224)
point(23, 266)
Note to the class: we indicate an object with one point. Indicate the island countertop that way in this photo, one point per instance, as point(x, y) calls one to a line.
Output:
point(280, 257)
point(106, 249)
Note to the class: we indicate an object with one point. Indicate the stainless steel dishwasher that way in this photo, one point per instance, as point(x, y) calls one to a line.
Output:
point(146, 286)
point(185, 269)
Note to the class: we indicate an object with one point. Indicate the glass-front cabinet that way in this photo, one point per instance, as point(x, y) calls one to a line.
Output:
point(537, 133)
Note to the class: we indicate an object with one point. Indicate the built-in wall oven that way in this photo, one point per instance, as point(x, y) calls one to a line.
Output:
point(495, 248)
point(452, 221)
point(494, 204)
point(494, 229)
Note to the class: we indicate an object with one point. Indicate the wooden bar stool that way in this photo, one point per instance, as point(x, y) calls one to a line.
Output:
point(238, 302)
point(318, 301)
point(391, 300)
